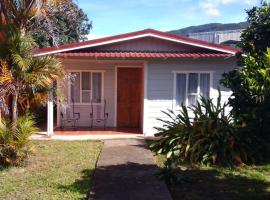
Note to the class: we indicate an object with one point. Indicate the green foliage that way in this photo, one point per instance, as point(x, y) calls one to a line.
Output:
point(250, 101)
point(250, 84)
point(21, 74)
point(14, 145)
point(52, 22)
point(255, 39)
point(67, 23)
point(202, 134)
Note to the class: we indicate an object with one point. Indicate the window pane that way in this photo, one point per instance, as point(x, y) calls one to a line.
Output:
point(86, 82)
point(204, 85)
point(75, 87)
point(97, 87)
point(192, 83)
point(180, 88)
point(86, 96)
point(192, 100)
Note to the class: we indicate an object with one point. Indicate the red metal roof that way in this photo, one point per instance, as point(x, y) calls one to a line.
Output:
point(140, 55)
point(128, 36)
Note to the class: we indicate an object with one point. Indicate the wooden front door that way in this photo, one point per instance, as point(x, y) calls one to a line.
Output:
point(129, 97)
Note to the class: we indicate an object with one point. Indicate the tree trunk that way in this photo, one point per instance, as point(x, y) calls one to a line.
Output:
point(15, 108)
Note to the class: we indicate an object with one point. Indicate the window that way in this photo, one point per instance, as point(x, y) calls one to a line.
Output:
point(85, 86)
point(189, 86)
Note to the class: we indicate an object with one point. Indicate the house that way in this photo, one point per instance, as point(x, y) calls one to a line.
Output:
point(139, 74)
point(229, 37)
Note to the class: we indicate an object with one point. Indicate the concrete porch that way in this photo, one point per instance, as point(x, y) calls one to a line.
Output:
point(97, 131)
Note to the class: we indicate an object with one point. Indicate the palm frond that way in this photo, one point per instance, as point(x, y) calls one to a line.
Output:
point(6, 77)
point(43, 72)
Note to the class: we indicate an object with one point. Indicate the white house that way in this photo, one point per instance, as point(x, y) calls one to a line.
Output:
point(139, 74)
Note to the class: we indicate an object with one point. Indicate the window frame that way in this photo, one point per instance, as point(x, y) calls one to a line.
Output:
point(211, 73)
point(91, 89)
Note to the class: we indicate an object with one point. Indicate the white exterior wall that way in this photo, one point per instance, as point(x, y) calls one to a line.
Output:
point(160, 85)
point(108, 91)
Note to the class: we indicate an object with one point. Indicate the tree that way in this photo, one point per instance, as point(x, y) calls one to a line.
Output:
point(52, 22)
point(24, 15)
point(22, 74)
point(255, 39)
point(68, 24)
point(250, 84)
point(251, 90)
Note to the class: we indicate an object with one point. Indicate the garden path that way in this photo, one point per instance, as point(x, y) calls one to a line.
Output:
point(126, 170)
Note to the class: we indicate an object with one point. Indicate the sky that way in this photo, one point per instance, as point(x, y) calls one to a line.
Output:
point(111, 17)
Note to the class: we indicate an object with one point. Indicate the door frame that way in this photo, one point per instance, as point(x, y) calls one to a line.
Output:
point(142, 91)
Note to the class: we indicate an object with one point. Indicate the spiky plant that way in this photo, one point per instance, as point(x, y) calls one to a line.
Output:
point(14, 145)
point(21, 74)
point(201, 134)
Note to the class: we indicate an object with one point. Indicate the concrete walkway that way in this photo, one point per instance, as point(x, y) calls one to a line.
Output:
point(86, 137)
point(125, 171)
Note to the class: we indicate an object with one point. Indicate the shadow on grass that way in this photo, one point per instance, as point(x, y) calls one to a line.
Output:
point(3, 167)
point(215, 185)
point(82, 185)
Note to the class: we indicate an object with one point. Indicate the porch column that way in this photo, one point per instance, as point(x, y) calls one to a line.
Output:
point(145, 104)
point(50, 115)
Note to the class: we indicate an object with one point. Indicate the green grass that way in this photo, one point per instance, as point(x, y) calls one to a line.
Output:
point(56, 170)
point(205, 183)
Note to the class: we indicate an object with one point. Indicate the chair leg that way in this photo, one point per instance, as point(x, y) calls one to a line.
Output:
point(61, 127)
point(105, 121)
point(74, 125)
point(91, 123)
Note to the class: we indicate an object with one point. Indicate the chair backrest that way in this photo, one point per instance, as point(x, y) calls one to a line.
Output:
point(67, 112)
point(98, 109)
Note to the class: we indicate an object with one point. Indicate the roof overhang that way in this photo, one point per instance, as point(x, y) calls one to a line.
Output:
point(126, 55)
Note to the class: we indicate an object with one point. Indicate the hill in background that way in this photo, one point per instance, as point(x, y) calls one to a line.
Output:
point(210, 28)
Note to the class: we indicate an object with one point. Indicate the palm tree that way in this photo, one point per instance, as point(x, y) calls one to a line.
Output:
point(25, 15)
point(22, 74)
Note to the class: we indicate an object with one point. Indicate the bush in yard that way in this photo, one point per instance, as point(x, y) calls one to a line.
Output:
point(250, 102)
point(201, 134)
point(250, 83)
point(14, 145)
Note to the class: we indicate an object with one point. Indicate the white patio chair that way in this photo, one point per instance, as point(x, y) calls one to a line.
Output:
point(69, 118)
point(98, 113)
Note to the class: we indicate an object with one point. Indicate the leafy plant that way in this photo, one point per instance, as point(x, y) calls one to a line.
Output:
point(255, 38)
point(250, 101)
point(14, 145)
point(67, 23)
point(201, 134)
point(21, 74)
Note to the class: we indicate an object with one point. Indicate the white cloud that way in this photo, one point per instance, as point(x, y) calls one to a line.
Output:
point(212, 8)
point(209, 9)
point(157, 3)
point(92, 36)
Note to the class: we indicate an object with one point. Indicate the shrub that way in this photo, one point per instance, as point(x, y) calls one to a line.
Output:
point(250, 101)
point(14, 145)
point(208, 137)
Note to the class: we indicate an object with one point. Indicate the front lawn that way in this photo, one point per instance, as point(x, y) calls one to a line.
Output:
point(204, 183)
point(56, 170)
